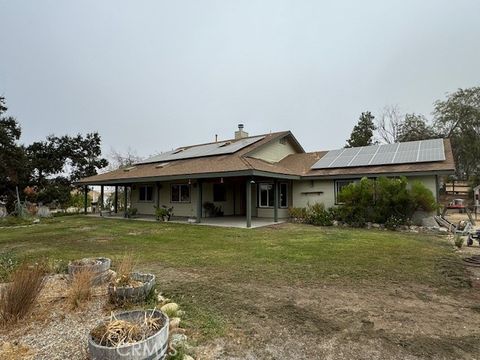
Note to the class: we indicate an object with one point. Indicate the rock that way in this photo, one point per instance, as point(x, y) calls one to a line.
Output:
point(442, 230)
point(36, 221)
point(43, 211)
point(376, 226)
point(335, 223)
point(369, 225)
point(178, 340)
point(162, 299)
point(429, 221)
point(170, 308)
point(174, 322)
point(187, 357)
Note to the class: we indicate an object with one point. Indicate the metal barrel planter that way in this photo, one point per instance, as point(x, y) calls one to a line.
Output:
point(152, 348)
point(98, 266)
point(133, 294)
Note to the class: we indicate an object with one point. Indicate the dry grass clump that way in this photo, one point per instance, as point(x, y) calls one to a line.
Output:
point(81, 288)
point(125, 270)
point(18, 297)
point(116, 332)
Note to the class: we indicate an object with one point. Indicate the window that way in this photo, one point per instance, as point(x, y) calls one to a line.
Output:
point(266, 195)
point(219, 192)
point(340, 184)
point(180, 193)
point(145, 193)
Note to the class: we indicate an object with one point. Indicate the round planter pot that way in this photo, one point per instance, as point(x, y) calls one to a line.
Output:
point(130, 293)
point(100, 268)
point(152, 348)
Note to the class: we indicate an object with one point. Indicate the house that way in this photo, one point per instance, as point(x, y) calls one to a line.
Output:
point(262, 176)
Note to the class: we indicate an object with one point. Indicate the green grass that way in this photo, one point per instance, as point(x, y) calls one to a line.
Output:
point(285, 255)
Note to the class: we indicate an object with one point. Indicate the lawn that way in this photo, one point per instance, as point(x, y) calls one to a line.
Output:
point(241, 287)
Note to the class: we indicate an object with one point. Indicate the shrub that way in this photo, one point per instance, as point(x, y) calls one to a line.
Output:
point(315, 214)
point(318, 215)
point(125, 269)
point(18, 297)
point(297, 214)
point(163, 213)
point(81, 288)
point(384, 200)
point(422, 197)
point(132, 211)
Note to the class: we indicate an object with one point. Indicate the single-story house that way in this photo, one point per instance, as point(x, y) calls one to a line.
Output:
point(263, 175)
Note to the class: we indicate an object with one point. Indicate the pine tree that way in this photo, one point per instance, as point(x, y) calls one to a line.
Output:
point(362, 133)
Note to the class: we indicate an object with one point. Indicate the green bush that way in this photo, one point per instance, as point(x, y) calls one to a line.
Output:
point(297, 214)
point(422, 197)
point(315, 214)
point(318, 215)
point(388, 201)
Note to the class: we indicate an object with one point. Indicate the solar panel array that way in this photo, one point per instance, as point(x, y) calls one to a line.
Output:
point(399, 153)
point(218, 148)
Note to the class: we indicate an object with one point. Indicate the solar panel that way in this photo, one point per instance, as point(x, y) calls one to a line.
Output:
point(398, 153)
point(219, 148)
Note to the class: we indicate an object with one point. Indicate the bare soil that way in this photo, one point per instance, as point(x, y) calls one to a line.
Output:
point(358, 321)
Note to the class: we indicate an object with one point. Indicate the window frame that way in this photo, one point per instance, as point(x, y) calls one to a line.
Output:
point(268, 206)
point(335, 187)
point(145, 200)
point(180, 194)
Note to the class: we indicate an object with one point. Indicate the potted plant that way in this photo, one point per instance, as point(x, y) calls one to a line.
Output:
point(163, 213)
point(138, 334)
point(99, 267)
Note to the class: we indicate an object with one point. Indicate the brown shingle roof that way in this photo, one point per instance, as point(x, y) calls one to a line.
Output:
point(236, 162)
point(239, 163)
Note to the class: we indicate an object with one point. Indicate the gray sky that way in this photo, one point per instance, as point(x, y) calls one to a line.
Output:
point(153, 75)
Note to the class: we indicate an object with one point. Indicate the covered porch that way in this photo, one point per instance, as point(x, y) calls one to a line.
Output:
point(229, 201)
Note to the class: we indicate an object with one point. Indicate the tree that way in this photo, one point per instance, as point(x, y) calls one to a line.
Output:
point(46, 158)
point(389, 123)
point(84, 155)
point(13, 169)
point(362, 133)
point(415, 127)
point(458, 118)
point(120, 161)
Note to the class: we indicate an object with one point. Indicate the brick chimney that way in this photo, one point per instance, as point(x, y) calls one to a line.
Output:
point(240, 134)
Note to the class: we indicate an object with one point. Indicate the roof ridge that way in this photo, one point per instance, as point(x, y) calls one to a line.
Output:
point(232, 140)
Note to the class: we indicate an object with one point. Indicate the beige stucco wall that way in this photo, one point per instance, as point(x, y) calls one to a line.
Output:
point(179, 209)
point(274, 151)
point(306, 191)
point(227, 205)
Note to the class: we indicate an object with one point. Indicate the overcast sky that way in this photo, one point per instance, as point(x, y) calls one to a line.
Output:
point(154, 75)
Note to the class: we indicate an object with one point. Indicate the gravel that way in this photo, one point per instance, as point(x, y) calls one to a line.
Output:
point(54, 331)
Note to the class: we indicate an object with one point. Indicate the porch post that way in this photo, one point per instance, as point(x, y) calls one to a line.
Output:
point(85, 199)
point(125, 209)
point(115, 206)
point(249, 203)
point(100, 207)
point(199, 201)
point(275, 201)
point(158, 194)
